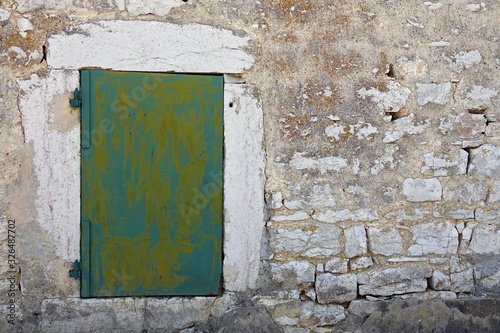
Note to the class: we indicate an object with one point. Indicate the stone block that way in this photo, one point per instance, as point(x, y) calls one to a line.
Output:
point(314, 314)
point(445, 164)
point(468, 191)
point(334, 216)
point(485, 162)
point(433, 238)
point(360, 263)
point(419, 189)
point(402, 126)
point(391, 100)
point(485, 240)
point(398, 288)
point(495, 193)
point(293, 273)
point(318, 241)
point(355, 241)
point(385, 241)
point(156, 7)
point(336, 288)
point(377, 277)
point(434, 93)
point(488, 215)
point(478, 98)
point(462, 281)
point(336, 265)
point(470, 126)
point(440, 281)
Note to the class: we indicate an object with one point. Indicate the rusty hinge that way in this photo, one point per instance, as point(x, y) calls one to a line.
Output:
point(76, 272)
point(76, 100)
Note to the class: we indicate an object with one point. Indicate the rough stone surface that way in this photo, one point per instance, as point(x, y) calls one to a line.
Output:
point(494, 196)
point(293, 273)
point(485, 240)
point(385, 241)
point(434, 93)
point(334, 216)
point(336, 288)
point(470, 126)
point(24, 6)
point(318, 241)
point(485, 162)
point(478, 98)
point(166, 47)
point(245, 320)
point(446, 164)
point(487, 215)
point(360, 263)
point(5, 14)
point(141, 7)
point(470, 192)
point(336, 265)
point(321, 315)
point(440, 281)
point(419, 189)
point(433, 238)
point(392, 100)
point(393, 281)
point(462, 281)
point(355, 239)
point(402, 126)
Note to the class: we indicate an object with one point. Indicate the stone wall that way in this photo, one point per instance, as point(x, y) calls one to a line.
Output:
point(382, 145)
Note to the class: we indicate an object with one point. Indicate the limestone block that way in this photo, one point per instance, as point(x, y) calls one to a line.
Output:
point(314, 314)
point(379, 277)
point(405, 287)
point(445, 164)
point(478, 98)
point(470, 126)
point(336, 288)
point(462, 281)
point(360, 263)
point(293, 273)
point(156, 7)
point(385, 241)
point(314, 197)
point(440, 281)
point(24, 6)
point(5, 14)
point(319, 241)
point(392, 100)
point(468, 191)
point(428, 295)
point(466, 60)
point(334, 216)
point(402, 126)
point(488, 215)
point(485, 162)
point(495, 193)
point(336, 265)
point(296, 216)
point(433, 238)
point(323, 165)
point(434, 93)
point(485, 240)
point(362, 308)
point(419, 189)
point(355, 241)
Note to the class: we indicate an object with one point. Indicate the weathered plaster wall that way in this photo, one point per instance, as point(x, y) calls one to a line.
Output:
point(382, 150)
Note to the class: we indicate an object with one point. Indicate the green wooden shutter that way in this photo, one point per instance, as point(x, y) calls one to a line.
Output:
point(151, 184)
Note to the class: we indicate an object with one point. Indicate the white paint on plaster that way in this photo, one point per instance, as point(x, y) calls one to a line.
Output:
point(156, 7)
point(24, 6)
point(466, 60)
point(56, 160)
point(363, 130)
point(325, 164)
point(392, 100)
point(243, 183)
point(385, 161)
point(442, 164)
point(335, 131)
point(165, 47)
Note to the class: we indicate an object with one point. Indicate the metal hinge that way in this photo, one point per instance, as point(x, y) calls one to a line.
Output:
point(76, 272)
point(76, 100)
